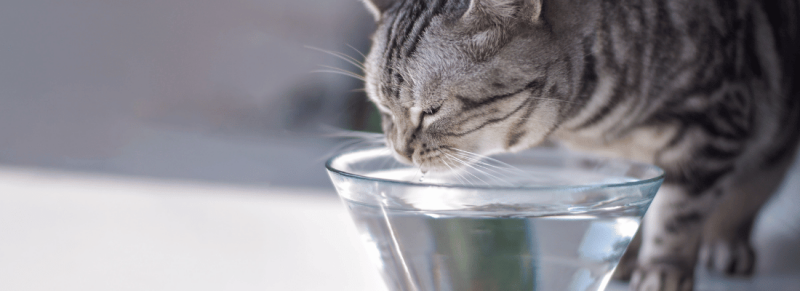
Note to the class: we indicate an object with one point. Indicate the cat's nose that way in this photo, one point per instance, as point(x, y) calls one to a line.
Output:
point(406, 151)
point(404, 142)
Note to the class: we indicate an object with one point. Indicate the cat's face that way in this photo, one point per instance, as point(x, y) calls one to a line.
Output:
point(451, 77)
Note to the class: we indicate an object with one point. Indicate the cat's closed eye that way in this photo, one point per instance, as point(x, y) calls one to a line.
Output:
point(432, 110)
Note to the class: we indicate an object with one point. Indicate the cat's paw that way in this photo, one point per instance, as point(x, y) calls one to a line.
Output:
point(729, 257)
point(662, 277)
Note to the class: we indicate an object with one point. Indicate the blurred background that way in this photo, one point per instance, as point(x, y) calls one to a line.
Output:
point(179, 145)
point(180, 89)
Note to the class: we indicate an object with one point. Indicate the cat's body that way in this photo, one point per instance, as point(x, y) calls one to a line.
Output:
point(708, 90)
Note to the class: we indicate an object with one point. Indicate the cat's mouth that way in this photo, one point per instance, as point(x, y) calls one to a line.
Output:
point(442, 159)
point(426, 158)
point(430, 156)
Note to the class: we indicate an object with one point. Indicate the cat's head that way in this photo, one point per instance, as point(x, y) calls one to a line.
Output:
point(456, 76)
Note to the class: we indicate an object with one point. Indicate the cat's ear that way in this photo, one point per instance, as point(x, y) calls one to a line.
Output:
point(505, 9)
point(378, 7)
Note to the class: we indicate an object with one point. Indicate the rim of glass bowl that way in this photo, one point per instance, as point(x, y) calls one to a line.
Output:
point(571, 154)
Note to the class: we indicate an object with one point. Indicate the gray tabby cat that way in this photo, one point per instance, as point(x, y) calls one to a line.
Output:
point(708, 90)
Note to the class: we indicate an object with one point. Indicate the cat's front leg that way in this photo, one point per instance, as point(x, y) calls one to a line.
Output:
point(670, 239)
point(726, 247)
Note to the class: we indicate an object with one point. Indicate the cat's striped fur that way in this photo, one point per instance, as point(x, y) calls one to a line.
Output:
point(708, 90)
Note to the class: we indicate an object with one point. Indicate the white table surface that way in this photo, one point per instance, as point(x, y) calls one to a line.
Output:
point(61, 231)
point(68, 231)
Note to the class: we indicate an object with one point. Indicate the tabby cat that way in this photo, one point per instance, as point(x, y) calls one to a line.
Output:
point(708, 90)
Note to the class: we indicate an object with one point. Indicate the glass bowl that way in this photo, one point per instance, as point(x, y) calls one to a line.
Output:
point(544, 219)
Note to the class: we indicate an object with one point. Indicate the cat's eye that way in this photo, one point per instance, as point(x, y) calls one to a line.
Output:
point(432, 110)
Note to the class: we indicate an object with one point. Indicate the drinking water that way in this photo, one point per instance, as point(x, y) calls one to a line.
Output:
point(487, 248)
point(545, 220)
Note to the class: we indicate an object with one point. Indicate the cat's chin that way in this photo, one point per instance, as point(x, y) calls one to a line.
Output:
point(440, 166)
point(434, 169)
point(426, 164)
point(445, 159)
point(430, 165)
point(402, 159)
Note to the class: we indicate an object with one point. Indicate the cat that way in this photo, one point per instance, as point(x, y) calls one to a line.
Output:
point(707, 90)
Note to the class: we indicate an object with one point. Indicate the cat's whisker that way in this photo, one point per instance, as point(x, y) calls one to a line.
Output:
point(360, 136)
point(340, 73)
point(341, 70)
point(484, 168)
point(457, 161)
point(339, 132)
point(494, 174)
point(478, 156)
point(505, 166)
point(470, 159)
point(359, 52)
point(452, 171)
point(353, 140)
point(346, 147)
point(462, 177)
point(342, 56)
point(458, 176)
point(479, 169)
point(363, 143)
point(500, 170)
point(344, 71)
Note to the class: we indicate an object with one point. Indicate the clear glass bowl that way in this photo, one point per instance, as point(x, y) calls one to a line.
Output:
point(545, 219)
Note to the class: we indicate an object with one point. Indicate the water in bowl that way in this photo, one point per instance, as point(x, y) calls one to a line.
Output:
point(502, 246)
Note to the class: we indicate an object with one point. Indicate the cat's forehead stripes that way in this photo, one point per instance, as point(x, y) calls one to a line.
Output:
point(408, 23)
point(405, 24)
